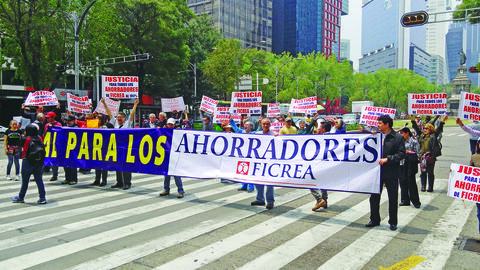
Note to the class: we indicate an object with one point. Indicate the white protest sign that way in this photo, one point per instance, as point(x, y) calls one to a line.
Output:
point(276, 126)
point(273, 109)
point(78, 104)
point(469, 108)
point(305, 106)
point(370, 114)
point(41, 98)
point(222, 115)
point(113, 105)
point(464, 182)
point(173, 104)
point(208, 104)
point(246, 102)
point(427, 104)
point(120, 87)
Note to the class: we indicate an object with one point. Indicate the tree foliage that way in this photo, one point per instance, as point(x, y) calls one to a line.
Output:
point(473, 16)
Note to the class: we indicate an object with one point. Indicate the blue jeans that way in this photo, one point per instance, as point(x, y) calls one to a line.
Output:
point(270, 194)
point(14, 159)
point(248, 186)
point(27, 171)
point(178, 182)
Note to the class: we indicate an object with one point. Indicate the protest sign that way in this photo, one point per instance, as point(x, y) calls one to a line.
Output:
point(246, 102)
point(208, 104)
point(276, 126)
point(370, 114)
point(273, 109)
point(298, 161)
point(78, 104)
point(173, 104)
point(469, 108)
point(305, 106)
point(120, 87)
point(464, 182)
point(222, 115)
point(427, 104)
point(113, 105)
point(41, 98)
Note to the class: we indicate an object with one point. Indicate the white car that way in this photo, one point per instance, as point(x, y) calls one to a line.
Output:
point(2, 131)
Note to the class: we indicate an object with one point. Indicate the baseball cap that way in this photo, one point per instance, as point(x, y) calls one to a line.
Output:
point(171, 121)
point(51, 114)
point(288, 119)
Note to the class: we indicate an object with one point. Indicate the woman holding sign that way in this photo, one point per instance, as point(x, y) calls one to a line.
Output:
point(430, 150)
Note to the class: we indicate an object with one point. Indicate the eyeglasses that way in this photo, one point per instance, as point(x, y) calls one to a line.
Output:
point(425, 128)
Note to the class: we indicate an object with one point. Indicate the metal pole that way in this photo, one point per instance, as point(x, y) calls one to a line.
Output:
point(97, 71)
point(276, 84)
point(195, 74)
point(257, 81)
point(297, 86)
point(77, 75)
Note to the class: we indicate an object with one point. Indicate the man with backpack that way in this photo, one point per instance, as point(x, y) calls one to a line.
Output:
point(33, 154)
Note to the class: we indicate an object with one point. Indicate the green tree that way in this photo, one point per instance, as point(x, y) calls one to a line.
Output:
point(473, 16)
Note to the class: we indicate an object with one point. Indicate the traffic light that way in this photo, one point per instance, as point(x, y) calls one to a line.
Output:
point(416, 18)
point(474, 69)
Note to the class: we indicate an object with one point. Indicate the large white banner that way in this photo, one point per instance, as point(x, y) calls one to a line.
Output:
point(173, 104)
point(306, 105)
point(273, 109)
point(120, 87)
point(208, 105)
point(344, 162)
point(41, 98)
point(78, 104)
point(246, 103)
point(469, 108)
point(427, 104)
point(464, 182)
point(370, 114)
point(113, 105)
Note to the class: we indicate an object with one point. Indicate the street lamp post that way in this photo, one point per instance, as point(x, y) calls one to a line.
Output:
point(299, 77)
point(240, 56)
point(276, 72)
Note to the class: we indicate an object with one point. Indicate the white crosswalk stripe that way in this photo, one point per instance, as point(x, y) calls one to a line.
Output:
point(94, 220)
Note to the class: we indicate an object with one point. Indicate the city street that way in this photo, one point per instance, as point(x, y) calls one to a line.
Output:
point(214, 226)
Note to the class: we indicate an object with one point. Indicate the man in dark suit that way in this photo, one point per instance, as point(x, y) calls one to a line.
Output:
point(393, 153)
point(152, 122)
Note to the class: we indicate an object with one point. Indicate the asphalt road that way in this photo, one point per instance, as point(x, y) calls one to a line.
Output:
point(214, 227)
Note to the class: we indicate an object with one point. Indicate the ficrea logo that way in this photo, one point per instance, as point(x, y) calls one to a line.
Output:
point(242, 167)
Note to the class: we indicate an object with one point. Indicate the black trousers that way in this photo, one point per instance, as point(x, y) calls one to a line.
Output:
point(124, 178)
point(408, 186)
point(392, 190)
point(71, 174)
point(101, 173)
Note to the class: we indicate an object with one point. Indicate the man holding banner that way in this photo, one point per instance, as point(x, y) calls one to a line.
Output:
point(124, 179)
point(393, 153)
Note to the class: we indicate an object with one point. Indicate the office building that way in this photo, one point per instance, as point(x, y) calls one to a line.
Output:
point(385, 43)
point(306, 26)
point(344, 49)
point(246, 20)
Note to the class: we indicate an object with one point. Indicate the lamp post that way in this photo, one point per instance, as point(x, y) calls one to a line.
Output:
point(340, 91)
point(77, 26)
point(240, 56)
point(276, 72)
point(299, 77)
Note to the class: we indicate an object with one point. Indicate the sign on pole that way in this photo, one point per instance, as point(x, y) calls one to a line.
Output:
point(427, 104)
point(246, 102)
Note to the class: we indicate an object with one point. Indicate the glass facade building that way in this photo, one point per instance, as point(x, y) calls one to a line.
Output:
point(250, 21)
point(305, 26)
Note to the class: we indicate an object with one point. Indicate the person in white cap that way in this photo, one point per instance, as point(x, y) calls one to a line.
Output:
point(178, 179)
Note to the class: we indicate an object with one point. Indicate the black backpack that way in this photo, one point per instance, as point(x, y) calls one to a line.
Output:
point(36, 152)
point(436, 147)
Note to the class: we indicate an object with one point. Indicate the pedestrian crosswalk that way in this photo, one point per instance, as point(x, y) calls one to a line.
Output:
point(213, 227)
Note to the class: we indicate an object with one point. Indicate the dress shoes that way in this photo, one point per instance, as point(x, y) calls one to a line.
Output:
point(257, 203)
point(404, 203)
point(371, 224)
point(423, 189)
point(242, 189)
point(180, 195)
point(429, 190)
point(54, 178)
point(393, 227)
point(164, 193)
point(102, 184)
point(64, 182)
point(269, 206)
point(94, 184)
point(117, 186)
point(126, 187)
point(72, 183)
point(417, 205)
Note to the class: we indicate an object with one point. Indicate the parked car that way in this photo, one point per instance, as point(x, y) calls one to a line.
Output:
point(351, 118)
point(2, 131)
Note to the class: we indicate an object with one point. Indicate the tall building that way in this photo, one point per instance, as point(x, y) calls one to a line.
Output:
point(385, 43)
point(306, 26)
point(345, 49)
point(250, 21)
point(463, 36)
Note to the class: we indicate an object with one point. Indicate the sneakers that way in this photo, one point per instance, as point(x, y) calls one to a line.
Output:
point(322, 203)
point(9, 177)
point(42, 201)
point(17, 199)
point(180, 195)
point(17, 177)
point(164, 193)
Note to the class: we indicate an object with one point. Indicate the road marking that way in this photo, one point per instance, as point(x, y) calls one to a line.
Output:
point(212, 252)
point(355, 256)
point(406, 264)
point(127, 255)
point(50, 253)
